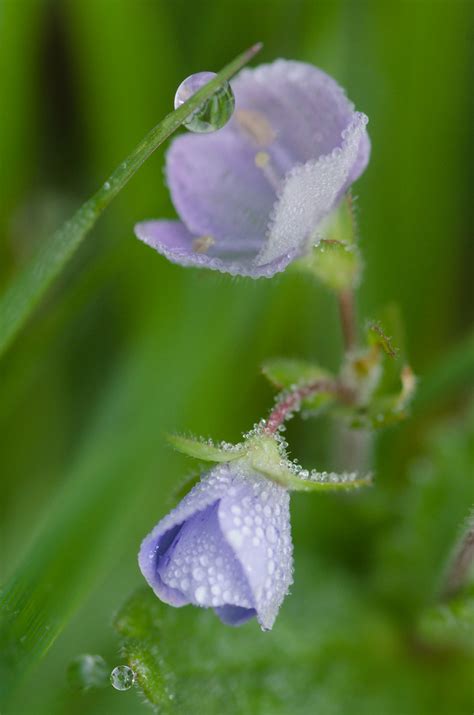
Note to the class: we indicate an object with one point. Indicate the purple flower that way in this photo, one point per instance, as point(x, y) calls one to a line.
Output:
point(252, 196)
point(226, 546)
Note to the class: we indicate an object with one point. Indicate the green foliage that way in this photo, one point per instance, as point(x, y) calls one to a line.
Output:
point(430, 511)
point(295, 668)
point(24, 293)
point(131, 348)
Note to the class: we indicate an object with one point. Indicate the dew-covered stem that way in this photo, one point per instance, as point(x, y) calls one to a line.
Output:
point(26, 290)
point(290, 401)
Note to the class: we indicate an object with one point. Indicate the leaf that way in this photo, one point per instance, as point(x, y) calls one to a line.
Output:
point(29, 286)
point(285, 373)
point(206, 450)
point(415, 552)
point(138, 623)
point(450, 623)
point(298, 667)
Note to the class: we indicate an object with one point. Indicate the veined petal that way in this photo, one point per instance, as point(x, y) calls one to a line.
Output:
point(304, 107)
point(173, 240)
point(312, 190)
point(217, 189)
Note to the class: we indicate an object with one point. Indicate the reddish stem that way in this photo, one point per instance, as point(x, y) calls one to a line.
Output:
point(348, 322)
point(291, 401)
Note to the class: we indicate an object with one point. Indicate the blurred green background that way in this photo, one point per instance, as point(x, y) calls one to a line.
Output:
point(127, 346)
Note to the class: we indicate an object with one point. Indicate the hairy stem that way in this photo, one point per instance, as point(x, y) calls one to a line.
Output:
point(290, 402)
point(348, 318)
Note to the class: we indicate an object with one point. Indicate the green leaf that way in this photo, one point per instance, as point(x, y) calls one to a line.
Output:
point(28, 287)
point(206, 450)
point(450, 623)
point(430, 511)
point(285, 373)
point(207, 667)
point(138, 623)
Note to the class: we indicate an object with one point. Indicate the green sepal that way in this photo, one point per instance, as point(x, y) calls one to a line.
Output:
point(343, 226)
point(335, 259)
point(266, 457)
point(285, 373)
point(337, 264)
point(206, 449)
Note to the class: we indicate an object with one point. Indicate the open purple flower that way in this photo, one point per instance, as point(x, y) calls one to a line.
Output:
point(252, 196)
point(226, 546)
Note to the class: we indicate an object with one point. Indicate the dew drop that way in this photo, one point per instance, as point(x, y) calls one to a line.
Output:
point(87, 671)
point(215, 112)
point(200, 594)
point(122, 677)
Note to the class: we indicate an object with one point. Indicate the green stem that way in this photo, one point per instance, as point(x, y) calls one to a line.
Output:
point(26, 290)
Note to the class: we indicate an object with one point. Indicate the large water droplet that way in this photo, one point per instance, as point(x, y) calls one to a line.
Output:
point(87, 671)
point(122, 677)
point(214, 113)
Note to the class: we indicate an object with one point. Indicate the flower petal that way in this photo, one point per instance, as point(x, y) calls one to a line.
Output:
point(173, 240)
point(156, 544)
point(201, 564)
point(255, 519)
point(217, 189)
point(306, 109)
point(235, 615)
point(312, 190)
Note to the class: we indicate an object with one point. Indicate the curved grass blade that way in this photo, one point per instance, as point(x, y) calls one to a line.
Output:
point(29, 286)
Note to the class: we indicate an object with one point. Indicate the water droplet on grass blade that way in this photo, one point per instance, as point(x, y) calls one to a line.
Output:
point(87, 671)
point(215, 112)
point(122, 677)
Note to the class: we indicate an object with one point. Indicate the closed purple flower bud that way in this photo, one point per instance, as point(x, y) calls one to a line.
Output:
point(226, 546)
point(253, 195)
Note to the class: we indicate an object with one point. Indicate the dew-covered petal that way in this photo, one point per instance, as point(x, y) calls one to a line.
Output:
point(201, 564)
point(216, 188)
point(255, 519)
point(312, 190)
point(173, 240)
point(306, 109)
point(155, 546)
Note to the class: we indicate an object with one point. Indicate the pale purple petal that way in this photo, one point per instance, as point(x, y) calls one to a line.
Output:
point(312, 190)
point(307, 109)
point(216, 188)
point(157, 543)
point(226, 546)
point(255, 519)
point(173, 240)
